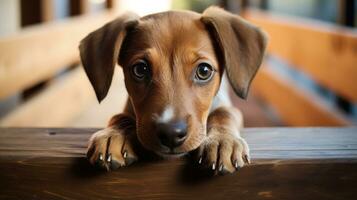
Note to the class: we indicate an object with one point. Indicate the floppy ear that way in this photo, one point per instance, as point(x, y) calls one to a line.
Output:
point(241, 46)
point(99, 52)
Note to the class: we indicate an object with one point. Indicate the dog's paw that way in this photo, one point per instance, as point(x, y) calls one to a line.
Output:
point(223, 152)
point(110, 149)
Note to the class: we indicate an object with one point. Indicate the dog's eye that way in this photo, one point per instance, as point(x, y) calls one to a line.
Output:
point(204, 72)
point(141, 70)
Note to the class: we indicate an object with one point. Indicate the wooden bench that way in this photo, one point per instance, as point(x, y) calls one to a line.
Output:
point(48, 53)
point(287, 163)
point(324, 53)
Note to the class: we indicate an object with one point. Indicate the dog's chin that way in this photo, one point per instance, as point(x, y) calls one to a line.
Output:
point(170, 155)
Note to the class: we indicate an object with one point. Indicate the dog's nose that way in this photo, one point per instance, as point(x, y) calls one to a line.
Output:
point(172, 134)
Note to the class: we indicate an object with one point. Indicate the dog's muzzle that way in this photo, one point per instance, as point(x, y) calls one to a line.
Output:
point(172, 134)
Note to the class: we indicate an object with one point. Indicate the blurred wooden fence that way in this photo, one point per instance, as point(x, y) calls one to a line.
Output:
point(38, 53)
point(327, 53)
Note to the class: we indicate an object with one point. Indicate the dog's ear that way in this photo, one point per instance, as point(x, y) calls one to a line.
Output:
point(99, 52)
point(241, 46)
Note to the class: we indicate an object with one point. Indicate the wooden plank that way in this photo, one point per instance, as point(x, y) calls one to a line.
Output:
point(325, 52)
point(60, 103)
point(73, 178)
point(30, 12)
point(38, 52)
point(79, 7)
point(36, 11)
point(294, 106)
point(111, 4)
point(265, 143)
point(346, 12)
point(51, 165)
point(48, 10)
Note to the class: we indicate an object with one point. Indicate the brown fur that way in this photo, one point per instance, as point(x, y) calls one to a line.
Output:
point(174, 43)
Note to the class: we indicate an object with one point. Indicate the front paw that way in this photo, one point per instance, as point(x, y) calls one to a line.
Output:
point(223, 152)
point(111, 149)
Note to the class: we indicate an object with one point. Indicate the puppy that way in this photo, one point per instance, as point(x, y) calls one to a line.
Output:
point(176, 66)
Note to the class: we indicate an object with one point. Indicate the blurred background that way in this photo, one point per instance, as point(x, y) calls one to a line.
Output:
point(309, 76)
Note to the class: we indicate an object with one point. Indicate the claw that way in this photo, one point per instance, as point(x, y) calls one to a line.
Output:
point(200, 160)
point(125, 154)
point(220, 167)
point(236, 165)
point(246, 159)
point(214, 166)
point(99, 162)
point(109, 159)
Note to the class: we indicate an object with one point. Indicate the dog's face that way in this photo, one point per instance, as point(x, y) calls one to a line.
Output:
point(171, 75)
point(173, 63)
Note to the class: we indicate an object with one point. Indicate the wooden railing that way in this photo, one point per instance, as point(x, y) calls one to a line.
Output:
point(39, 53)
point(326, 53)
point(287, 163)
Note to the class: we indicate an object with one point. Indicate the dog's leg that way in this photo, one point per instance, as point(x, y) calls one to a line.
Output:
point(112, 147)
point(224, 150)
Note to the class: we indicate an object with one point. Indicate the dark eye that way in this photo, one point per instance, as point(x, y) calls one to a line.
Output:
point(141, 70)
point(204, 72)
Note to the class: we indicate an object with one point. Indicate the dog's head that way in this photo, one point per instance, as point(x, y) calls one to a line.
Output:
point(173, 63)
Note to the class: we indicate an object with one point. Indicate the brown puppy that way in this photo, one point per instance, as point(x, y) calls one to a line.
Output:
point(175, 64)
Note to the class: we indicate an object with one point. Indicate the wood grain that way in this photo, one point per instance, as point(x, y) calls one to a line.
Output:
point(326, 52)
point(38, 52)
point(299, 163)
point(295, 107)
point(265, 143)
